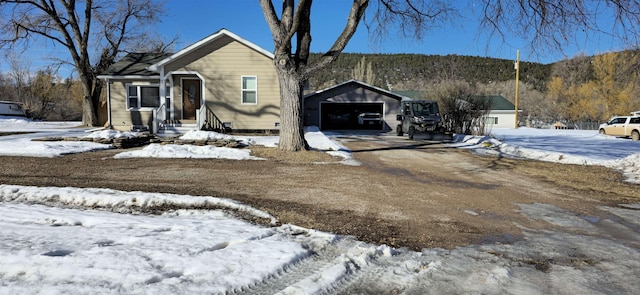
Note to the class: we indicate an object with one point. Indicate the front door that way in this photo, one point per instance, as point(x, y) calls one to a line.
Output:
point(190, 98)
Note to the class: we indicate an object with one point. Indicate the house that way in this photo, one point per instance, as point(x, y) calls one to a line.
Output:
point(218, 83)
point(340, 107)
point(11, 108)
point(502, 113)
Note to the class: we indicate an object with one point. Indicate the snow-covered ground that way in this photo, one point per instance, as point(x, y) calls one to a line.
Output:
point(101, 241)
point(581, 147)
point(23, 144)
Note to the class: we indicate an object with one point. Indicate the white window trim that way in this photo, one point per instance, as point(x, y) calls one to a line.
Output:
point(138, 97)
point(242, 90)
point(491, 120)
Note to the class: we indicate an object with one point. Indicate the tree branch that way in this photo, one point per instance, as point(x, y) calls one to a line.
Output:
point(355, 15)
point(272, 21)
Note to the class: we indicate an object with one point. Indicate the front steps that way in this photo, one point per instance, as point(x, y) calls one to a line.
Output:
point(174, 128)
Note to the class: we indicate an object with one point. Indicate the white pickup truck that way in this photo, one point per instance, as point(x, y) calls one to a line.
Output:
point(623, 126)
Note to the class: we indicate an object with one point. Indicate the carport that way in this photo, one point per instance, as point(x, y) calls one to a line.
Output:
point(338, 107)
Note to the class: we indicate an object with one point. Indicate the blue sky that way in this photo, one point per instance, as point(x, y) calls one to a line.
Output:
point(193, 20)
point(245, 18)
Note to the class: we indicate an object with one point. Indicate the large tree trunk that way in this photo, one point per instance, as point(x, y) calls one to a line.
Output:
point(89, 113)
point(89, 117)
point(293, 69)
point(291, 111)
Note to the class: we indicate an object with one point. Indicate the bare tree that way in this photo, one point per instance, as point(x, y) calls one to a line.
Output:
point(363, 71)
point(462, 110)
point(93, 31)
point(550, 25)
point(575, 71)
point(19, 77)
point(292, 29)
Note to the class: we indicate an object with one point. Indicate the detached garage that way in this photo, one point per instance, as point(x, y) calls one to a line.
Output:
point(352, 105)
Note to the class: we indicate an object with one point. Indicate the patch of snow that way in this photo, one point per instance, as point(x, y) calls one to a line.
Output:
point(23, 145)
point(110, 134)
point(17, 124)
point(188, 151)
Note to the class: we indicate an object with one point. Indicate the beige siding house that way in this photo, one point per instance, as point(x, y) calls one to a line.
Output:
point(221, 82)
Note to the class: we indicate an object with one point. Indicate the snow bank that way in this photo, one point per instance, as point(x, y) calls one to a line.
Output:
point(630, 167)
point(316, 140)
point(580, 147)
point(118, 201)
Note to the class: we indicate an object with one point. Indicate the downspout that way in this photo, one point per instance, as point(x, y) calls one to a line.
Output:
point(163, 99)
point(109, 125)
point(163, 86)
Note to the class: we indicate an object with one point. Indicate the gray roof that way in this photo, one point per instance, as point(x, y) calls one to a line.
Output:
point(360, 84)
point(135, 64)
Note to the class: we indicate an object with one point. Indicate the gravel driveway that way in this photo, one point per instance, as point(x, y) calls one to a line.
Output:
point(405, 194)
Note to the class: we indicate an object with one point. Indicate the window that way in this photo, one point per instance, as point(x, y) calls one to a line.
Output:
point(249, 89)
point(491, 120)
point(139, 96)
point(425, 109)
point(618, 121)
point(15, 107)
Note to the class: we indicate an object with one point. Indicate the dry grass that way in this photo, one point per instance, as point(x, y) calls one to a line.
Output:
point(592, 180)
point(293, 157)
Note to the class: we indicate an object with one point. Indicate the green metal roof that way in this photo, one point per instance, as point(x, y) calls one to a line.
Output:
point(135, 64)
point(413, 94)
point(498, 103)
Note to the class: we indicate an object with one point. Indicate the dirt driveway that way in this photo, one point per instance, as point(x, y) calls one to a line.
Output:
point(405, 194)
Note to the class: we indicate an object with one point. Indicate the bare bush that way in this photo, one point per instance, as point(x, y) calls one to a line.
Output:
point(462, 109)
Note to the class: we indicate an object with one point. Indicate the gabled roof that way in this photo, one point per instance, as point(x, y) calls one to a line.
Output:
point(147, 64)
point(135, 64)
point(498, 103)
point(361, 84)
point(220, 34)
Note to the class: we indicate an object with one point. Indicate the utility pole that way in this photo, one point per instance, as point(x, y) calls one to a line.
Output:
point(517, 67)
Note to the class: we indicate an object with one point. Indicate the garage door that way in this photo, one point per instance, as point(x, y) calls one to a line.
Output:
point(351, 116)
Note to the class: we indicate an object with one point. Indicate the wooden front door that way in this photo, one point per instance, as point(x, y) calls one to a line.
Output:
point(191, 98)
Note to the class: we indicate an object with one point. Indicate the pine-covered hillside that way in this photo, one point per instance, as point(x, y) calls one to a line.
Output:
point(413, 71)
